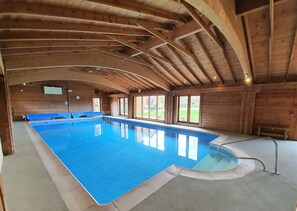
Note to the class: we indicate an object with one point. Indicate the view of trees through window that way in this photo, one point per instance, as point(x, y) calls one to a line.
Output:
point(189, 109)
point(150, 107)
point(123, 104)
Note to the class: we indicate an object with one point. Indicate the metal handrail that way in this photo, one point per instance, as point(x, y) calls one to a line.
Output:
point(251, 158)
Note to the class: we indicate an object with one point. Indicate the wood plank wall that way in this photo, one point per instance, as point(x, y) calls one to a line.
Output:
point(273, 107)
point(221, 111)
point(33, 100)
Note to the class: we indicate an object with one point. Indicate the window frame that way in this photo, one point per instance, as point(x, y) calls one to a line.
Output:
point(124, 105)
point(149, 108)
point(188, 121)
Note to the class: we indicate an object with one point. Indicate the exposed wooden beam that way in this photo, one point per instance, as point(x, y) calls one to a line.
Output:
point(163, 37)
point(196, 60)
point(244, 7)
point(122, 56)
point(36, 9)
point(13, 23)
point(249, 39)
point(177, 78)
point(181, 60)
point(178, 33)
point(140, 9)
point(59, 74)
point(20, 51)
point(185, 77)
point(95, 59)
point(56, 44)
point(137, 47)
point(198, 19)
point(225, 57)
point(157, 70)
point(222, 14)
point(201, 43)
point(23, 35)
point(2, 70)
point(292, 55)
point(271, 23)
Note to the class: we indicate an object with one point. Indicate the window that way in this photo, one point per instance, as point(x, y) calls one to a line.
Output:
point(150, 107)
point(123, 106)
point(188, 109)
point(96, 104)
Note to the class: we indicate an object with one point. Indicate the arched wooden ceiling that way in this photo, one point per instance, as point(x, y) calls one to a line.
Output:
point(144, 44)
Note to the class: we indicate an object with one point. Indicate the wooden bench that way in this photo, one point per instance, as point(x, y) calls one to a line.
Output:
point(280, 132)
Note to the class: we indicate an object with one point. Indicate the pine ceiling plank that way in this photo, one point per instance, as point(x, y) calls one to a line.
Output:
point(69, 13)
point(201, 43)
point(137, 47)
point(139, 8)
point(271, 22)
point(180, 59)
point(196, 60)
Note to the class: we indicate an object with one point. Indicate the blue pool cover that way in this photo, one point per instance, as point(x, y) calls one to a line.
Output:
point(110, 158)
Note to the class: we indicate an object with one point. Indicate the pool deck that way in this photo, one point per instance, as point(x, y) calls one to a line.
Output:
point(34, 179)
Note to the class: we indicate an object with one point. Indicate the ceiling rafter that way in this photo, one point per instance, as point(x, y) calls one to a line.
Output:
point(196, 60)
point(56, 44)
point(224, 53)
point(154, 68)
point(169, 71)
point(176, 69)
point(175, 34)
point(201, 43)
point(123, 56)
point(13, 23)
point(186, 78)
point(251, 50)
point(292, 54)
point(139, 8)
point(22, 35)
point(192, 11)
point(181, 60)
point(163, 37)
point(137, 47)
point(59, 74)
point(70, 13)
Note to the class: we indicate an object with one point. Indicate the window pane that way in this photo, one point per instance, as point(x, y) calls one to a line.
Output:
point(138, 107)
point(153, 107)
point(161, 107)
point(126, 106)
point(96, 104)
point(194, 109)
point(183, 108)
point(145, 106)
point(121, 106)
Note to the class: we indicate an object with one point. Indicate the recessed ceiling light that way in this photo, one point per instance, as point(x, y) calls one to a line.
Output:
point(21, 90)
point(214, 77)
point(24, 84)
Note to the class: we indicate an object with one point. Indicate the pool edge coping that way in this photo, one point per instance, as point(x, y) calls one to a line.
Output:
point(145, 189)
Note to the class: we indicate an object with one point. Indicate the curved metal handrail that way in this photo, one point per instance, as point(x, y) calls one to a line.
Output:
point(251, 158)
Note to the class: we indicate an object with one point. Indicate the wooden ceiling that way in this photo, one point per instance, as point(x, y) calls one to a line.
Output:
point(143, 44)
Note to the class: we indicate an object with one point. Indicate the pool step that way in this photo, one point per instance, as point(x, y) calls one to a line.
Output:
point(215, 162)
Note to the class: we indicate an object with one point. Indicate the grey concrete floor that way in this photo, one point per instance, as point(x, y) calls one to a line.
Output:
point(27, 184)
point(258, 191)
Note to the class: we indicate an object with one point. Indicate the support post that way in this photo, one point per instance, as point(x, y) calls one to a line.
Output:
point(5, 118)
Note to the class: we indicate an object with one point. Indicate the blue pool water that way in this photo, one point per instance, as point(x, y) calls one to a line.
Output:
point(110, 158)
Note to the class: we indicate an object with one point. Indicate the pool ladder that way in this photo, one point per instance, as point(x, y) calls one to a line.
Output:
point(251, 158)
